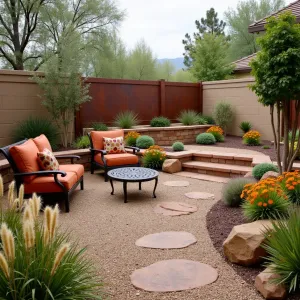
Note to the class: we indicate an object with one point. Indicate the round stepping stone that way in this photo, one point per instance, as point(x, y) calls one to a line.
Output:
point(166, 212)
point(200, 196)
point(167, 240)
point(179, 206)
point(173, 275)
point(180, 183)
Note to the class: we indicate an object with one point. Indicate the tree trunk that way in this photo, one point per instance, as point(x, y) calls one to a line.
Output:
point(286, 115)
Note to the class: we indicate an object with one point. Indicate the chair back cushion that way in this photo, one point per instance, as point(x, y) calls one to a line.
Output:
point(42, 143)
point(98, 137)
point(47, 160)
point(25, 158)
point(114, 145)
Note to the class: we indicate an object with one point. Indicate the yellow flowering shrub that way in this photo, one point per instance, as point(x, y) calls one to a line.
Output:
point(217, 132)
point(290, 184)
point(154, 157)
point(131, 137)
point(264, 200)
point(252, 138)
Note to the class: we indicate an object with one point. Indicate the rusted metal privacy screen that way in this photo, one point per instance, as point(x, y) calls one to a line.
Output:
point(146, 98)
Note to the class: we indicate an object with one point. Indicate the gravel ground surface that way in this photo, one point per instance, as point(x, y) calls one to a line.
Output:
point(109, 229)
point(220, 220)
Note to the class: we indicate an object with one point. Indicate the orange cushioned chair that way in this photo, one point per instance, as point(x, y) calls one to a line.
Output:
point(22, 157)
point(100, 158)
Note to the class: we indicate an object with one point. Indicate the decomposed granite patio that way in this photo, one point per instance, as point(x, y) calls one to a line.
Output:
point(109, 229)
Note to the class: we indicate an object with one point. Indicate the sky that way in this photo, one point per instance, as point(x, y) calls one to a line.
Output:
point(164, 23)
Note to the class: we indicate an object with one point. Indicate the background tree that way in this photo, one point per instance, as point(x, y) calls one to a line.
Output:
point(277, 81)
point(211, 24)
point(165, 70)
point(183, 76)
point(141, 63)
point(210, 59)
point(246, 13)
point(63, 89)
point(31, 30)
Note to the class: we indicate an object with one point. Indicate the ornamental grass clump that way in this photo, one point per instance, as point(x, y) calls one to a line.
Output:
point(131, 137)
point(245, 126)
point(82, 142)
point(154, 157)
point(232, 190)
point(264, 200)
point(126, 119)
point(251, 138)
point(217, 132)
point(36, 260)
point(188, 117)
point(290, 184)
point(282, 247)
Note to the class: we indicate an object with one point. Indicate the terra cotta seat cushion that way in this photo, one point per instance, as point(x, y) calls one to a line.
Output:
point(42, 142)
point(46, 184)
point(117, 159)
point(77, 169)
point(97, 137)
point(25, 158)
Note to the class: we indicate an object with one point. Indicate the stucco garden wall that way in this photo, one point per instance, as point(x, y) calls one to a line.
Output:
point(244, 102)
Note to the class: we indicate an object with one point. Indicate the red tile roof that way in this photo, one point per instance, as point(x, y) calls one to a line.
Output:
point(242, 65)
point(259, 25)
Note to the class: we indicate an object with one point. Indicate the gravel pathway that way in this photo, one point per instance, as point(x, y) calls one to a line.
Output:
point(109, 229)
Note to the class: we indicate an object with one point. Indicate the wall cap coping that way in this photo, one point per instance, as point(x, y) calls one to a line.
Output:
point(228, 81)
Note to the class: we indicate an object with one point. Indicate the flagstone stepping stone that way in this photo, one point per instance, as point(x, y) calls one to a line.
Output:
point(175, 208)
point(167, 240)
point(173, 275)
point(200, 196)
point(180, 183)
point(166, 212)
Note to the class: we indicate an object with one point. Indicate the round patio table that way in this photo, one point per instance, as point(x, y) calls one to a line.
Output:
point(132, 174)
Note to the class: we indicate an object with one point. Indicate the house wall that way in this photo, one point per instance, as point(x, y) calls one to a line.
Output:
point(244, 101)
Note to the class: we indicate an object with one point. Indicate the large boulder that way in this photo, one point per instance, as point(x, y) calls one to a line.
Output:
point(171, 166)
point(269, 290)
point(243, 245)
point(270, 174)
point(249, 175)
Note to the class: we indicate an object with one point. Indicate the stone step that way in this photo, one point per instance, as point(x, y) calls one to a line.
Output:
point(204, 177)
point(215, 169)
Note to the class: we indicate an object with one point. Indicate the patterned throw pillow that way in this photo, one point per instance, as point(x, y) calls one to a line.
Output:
point(47, 160)
point(114, 145)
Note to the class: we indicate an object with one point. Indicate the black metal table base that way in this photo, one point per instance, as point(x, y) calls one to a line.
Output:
point(125, 188)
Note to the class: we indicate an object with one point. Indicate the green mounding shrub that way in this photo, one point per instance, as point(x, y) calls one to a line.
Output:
point(99, 126)
point(233, 189)
point(266, 147)
point(160, 122)
point(223, 114)
point(33, 127)
point(39, 261)
point(188, 117)
point(201, 120)
point(82, 142)
point(259, 170)
point(245, 126)
point(282, 245)
point(126, 119)
point(205, 139)
point(209, 119)
point(178, 146)
point(144, 142)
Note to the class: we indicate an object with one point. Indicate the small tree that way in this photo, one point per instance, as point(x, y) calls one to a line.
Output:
point(223, 114)
point(277, 81)
point(210, 61)
point(63, 89)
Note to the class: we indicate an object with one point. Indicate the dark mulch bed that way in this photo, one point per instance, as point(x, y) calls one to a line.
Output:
point(220, 220)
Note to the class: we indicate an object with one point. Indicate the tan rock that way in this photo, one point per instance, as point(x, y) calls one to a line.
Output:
point(270, 174)
point(249, 175)
point(171, 166)
point(269, 290)
point(243, 245)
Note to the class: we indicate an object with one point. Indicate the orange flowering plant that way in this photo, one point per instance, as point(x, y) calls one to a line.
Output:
point(154, 157)
point(217, 132)
point(131, 137)
point(251, 138)
point(290, 184)
point(264, 200)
